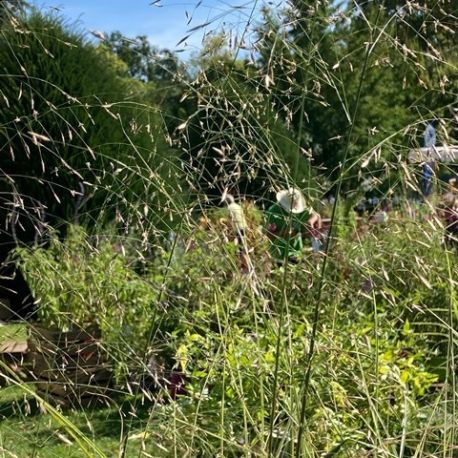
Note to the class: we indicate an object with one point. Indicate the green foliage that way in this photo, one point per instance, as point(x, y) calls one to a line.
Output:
point(375, 367)
point(235, 139)
point(347, 353)
point(163, 75)
point(357, 79)
point(73, 129)
point(79, 284)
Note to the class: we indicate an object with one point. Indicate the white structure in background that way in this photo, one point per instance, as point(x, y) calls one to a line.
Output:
point(436, 153)
point(432, 153)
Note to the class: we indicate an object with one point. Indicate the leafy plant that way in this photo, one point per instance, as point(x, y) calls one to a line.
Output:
point(77, 283)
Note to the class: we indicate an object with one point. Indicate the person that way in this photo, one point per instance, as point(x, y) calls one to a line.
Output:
point(451, 190)
point(240, 225)
point(237, 216)
point(427, 179)
point(286, 220)
point(449, 214)
point(360, 208)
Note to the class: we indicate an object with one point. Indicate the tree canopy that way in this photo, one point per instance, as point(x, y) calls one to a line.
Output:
point(74, 128)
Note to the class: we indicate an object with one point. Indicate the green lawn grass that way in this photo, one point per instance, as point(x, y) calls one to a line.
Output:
point(14, 331)
point(26, 431)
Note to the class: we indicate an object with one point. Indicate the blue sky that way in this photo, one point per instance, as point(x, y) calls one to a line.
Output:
point(165, 26)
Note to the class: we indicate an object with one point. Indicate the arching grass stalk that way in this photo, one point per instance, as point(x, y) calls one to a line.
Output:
point(153, 328)
point(84, 443)
point(451, 369)
point(328, 245)
point(281, 313)
point(285, 264)
point(222, 329)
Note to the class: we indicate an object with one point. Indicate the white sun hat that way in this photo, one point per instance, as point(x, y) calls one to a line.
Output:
point(291, 200)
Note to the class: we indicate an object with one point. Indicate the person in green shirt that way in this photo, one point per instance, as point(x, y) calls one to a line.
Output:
point(286, 220)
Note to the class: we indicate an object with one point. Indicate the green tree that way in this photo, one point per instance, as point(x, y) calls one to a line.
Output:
point(407, 76)
point(352, 79)
point(235, 139)
point(145, 61)
point(298, 51)
point(160, 69)
point(76, 136)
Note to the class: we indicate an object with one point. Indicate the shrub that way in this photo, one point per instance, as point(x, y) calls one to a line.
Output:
point(76, 138)
point(78, 283)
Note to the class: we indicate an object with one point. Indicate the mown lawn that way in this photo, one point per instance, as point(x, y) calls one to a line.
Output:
point(26, 431)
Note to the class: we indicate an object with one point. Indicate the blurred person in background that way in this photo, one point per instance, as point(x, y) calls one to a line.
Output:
point(240, 226)
point(448, 212)
point(287, 219)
